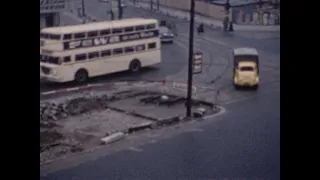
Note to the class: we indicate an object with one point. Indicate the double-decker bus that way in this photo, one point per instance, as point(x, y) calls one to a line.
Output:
point(78, 52)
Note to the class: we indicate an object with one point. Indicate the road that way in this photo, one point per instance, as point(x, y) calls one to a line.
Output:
point(244, 144)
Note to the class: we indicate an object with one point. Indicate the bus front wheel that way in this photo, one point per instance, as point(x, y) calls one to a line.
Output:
point(81, 76)
point(135, 66)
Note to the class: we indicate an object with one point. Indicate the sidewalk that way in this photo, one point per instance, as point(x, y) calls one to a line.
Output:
point(205, 20)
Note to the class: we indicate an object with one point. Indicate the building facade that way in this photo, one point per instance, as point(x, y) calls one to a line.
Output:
point(50, 12)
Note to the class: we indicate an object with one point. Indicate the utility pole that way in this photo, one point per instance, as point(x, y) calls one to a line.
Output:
point(120, 9)
point(190, 64)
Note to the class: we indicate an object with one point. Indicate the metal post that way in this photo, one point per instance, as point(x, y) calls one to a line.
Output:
point(158, 5)
point(151, 5)
point(111, 11)
point(119, 9)
point(83, 9)
point(190, 67)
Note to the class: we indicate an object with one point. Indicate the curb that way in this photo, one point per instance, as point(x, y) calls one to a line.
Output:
point(112, 138)
point(140, 127)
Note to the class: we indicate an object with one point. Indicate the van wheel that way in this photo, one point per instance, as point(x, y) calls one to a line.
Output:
point(135, 66)
point(81, 76)
point(256, 87)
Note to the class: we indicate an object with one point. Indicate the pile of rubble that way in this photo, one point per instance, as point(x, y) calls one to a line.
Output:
point(52, 111)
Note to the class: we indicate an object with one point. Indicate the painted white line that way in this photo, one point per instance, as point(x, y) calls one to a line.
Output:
point(153, 141)
point(195, 130)
point(48, 92)
point(72, 89)
point(135, 149)
point(121, 83)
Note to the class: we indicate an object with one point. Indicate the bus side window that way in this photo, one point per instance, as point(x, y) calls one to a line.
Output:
point(128, 29)
point(105, 53)
point(117, 51)
point(67, 59)
point(93, 55)
point(93, 34)
point(81, 57)
point(152, 45)
point(129, 49)
point(117, 31)
point(151, 26)
point(141, 47)
point(55, 37)
point(67, 36)
point(104, 32)
point(140, 28)
point(79, 35)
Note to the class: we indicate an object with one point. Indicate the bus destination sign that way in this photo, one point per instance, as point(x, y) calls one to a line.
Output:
point(49, 6)
point(109, 40)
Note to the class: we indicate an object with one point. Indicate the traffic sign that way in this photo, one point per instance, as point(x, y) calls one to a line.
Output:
point(197, 62)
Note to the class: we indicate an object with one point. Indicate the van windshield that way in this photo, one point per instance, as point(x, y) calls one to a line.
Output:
point(246, 68)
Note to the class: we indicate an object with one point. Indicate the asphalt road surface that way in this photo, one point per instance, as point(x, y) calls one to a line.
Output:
point(243, 144)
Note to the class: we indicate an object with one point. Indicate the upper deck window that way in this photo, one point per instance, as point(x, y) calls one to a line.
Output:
point(151, 26)
point(93, 34)
point(140, 28)
point(104, 32)
point(128, 29)
point(67, 36)
point(79, 35)
point(55, 37)
point(117, 30)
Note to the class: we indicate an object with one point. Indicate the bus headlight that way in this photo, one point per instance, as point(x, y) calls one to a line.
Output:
point(257, 79)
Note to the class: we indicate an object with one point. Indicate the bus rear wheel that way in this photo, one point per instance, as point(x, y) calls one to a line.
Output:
point(135, 66)
point(81, 76)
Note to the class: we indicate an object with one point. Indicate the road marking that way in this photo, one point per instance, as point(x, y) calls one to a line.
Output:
point(135, 149)
point(153, 141)
point(195, 130)
point(247, 97)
